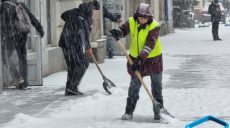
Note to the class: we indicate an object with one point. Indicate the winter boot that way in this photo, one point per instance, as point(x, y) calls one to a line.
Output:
point(110, 54)
point(130, 107)
point(72, 93)
point(156, 110)
point(17, 81)
point(22, 85)
point(214, 37)
point(127, 117)
point(218, 38)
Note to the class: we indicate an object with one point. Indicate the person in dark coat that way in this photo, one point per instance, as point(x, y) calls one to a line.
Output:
point(8, 37)
point(75, 43)
point(114, 18)
point(146, 53)
point(215, 11)
point(15, 39)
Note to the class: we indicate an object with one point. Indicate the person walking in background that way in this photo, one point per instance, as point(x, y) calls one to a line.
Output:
point(146, 53)
point(16, 20)
point(114, 18)
point(75, 43)
point(215, 11)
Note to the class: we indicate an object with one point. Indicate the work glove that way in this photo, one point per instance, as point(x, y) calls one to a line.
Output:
point(136, 64)
point(115, 33)
point(89, 51)
point(41, 32)
point(118, 17)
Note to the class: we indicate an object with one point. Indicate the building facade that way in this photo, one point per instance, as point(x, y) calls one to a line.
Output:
point(44, 55)
point(1, 77)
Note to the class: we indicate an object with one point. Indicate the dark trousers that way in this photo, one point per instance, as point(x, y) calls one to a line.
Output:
point(22, 54)
point(109, 46)
point(76, 67)
point(19, 44)
point(215, 29)
point(9, 67)
point(134, 88)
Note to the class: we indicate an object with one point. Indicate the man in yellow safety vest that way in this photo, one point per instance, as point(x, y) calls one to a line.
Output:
point(146, 53)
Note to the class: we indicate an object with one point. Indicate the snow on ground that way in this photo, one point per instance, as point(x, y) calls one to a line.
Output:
point(100, 110)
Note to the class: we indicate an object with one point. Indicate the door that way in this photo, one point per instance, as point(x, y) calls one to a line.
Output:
point(34, 56)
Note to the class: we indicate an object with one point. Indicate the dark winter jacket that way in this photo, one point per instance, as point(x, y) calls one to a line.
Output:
point(76, 31)
point(148, 66)
point(34, 21)
point(110, 16)
point(215, 11)
point(9, 16)
point(77, 28)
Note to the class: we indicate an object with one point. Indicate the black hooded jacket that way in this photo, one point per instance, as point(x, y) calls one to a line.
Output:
point(75, 32)
point(215, 11)
point(77, 27)
point(9, 16)
point(34, 21)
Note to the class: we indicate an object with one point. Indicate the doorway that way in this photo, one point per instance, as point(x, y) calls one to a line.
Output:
point(34, 56)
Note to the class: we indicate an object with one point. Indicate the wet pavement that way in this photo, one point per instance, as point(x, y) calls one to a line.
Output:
point(203, 62)
point(200, 71)
point(34, 101)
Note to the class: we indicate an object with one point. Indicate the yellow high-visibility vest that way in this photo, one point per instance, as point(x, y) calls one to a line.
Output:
point(138, 39)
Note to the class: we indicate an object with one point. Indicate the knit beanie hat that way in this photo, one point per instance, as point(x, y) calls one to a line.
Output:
point(144, 10)
point(95, 4)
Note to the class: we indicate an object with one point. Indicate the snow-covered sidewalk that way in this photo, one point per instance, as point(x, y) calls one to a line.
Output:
point(98, 110)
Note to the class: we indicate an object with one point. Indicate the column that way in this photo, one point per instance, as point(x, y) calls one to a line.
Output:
point(1, 77)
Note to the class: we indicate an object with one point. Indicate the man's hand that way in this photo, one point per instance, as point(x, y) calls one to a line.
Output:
point(42, 33)
point(119, 19)
point(136, 64)
point(115, 34)
point(89, 51)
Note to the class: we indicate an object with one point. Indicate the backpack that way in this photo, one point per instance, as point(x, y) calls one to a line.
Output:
point(23, 21)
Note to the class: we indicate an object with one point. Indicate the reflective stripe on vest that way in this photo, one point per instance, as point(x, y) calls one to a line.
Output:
point(140, 38)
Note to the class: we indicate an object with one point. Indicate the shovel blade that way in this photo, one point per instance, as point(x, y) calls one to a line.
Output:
point(160, 109)
point(107, 85)
point(164, 111)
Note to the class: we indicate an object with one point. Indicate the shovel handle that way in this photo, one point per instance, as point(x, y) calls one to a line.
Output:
point(95, 61)
point(137, 73)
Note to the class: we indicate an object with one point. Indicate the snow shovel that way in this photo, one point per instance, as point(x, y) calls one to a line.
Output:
point(154, 101)
point(107, 84)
